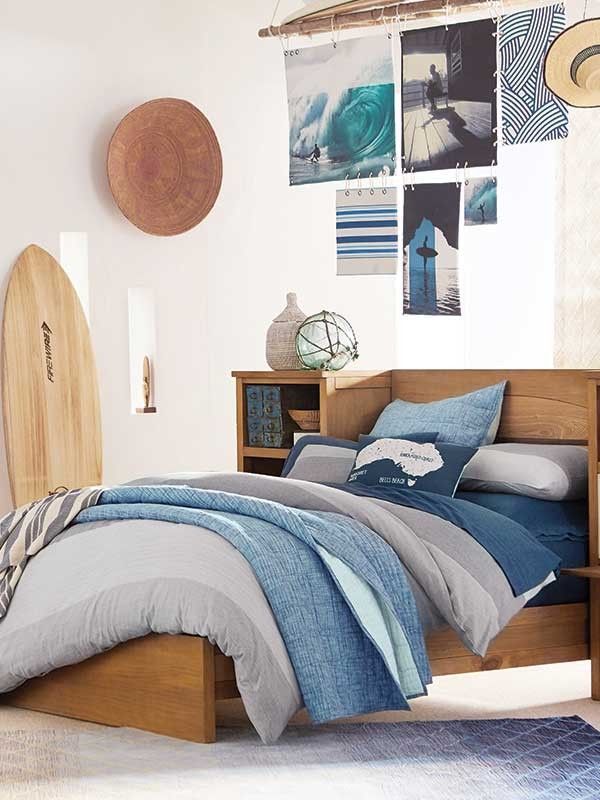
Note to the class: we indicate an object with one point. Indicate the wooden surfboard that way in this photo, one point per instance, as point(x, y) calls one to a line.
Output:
point(50, 396)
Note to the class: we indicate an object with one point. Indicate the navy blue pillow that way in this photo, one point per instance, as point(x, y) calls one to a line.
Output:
point(408, 464)
point(324, 459)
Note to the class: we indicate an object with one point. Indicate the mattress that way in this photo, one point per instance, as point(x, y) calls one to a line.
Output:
point(560, 526)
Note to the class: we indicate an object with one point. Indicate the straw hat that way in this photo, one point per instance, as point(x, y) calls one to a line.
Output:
point(572, 65)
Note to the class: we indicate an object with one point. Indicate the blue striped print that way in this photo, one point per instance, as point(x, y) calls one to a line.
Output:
point(367, 231)
point(382, 253)
point(385, 214)
point(366, 213)
point(365, 248)
point(367, 221)
point(381, 223)
point(341, 239)
point(365, 209)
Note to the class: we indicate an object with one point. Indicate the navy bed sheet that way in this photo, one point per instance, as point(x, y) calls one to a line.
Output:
point(560, 526)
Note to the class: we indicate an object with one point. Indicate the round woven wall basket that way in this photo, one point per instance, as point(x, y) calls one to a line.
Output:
point(165, 166)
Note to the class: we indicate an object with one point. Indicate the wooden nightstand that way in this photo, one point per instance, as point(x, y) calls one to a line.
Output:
point(593, 575)
point(593, 572)
point(349, 402)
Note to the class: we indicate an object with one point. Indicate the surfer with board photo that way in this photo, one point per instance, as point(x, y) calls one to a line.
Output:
point(315, 155)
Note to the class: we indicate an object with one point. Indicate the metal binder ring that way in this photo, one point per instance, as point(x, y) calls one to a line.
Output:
point(384, 178)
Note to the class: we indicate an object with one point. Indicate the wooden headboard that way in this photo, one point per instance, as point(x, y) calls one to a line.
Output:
point(539, 405)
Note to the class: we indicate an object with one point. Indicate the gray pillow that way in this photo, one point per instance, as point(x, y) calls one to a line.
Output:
point(320, 459)
point(470, 419)
point(543, 471)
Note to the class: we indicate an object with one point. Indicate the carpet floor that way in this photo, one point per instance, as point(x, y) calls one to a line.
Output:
point(48, 758)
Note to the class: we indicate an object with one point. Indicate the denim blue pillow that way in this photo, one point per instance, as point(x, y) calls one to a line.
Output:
point(425, 436)
point(406, 464)
point(470, 420)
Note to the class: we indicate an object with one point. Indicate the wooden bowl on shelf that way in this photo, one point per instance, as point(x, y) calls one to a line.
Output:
point(306, 420)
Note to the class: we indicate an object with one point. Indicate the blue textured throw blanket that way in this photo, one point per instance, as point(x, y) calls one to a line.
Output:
point(340, 668)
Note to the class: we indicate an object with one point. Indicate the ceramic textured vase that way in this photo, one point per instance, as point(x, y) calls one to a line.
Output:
point(281, 336)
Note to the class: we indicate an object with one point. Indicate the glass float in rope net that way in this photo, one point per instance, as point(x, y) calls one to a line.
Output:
point(326, 341)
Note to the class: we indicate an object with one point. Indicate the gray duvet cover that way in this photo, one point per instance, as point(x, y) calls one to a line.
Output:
point(100, 584)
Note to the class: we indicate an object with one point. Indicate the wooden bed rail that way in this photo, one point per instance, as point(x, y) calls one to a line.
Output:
point(172, 684)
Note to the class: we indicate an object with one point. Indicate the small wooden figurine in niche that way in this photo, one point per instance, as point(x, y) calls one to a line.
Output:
point(147, 389)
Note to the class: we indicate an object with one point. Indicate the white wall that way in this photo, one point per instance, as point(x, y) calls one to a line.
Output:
point(71, 70)
point(506, 274)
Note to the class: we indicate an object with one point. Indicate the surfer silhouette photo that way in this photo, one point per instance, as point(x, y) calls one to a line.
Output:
point(430, 240)
point(315, 155)
point(480, 205)
point(426, 252)
point(449, 109)
point(434, 88)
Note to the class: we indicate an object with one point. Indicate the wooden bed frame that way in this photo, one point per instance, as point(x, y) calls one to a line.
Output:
point(170, 684)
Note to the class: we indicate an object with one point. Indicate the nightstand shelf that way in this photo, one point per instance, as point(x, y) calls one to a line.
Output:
point(266, 452)
point(348, 404)
point(592, 573)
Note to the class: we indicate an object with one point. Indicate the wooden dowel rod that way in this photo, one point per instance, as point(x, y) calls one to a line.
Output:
point(356, 19)
point(386, 12)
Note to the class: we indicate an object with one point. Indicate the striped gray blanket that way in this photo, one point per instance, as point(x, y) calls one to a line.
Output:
point(25, 531)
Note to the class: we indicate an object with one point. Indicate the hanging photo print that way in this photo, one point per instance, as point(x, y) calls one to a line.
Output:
point(530, 112)
point(431, 220)
point(481, 201)
point(367, 232)
point(341, 110)
point(448, 97)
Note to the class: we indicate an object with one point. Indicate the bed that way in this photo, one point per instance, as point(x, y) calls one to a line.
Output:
point(170, 683)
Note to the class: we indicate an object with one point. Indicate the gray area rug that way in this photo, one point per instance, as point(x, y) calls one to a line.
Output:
point(510, 759)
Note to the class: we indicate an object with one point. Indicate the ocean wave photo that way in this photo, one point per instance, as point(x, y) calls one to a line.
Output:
point(341, 111)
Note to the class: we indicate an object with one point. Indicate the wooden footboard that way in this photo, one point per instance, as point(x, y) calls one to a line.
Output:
point(169, 684)
point(162, 684)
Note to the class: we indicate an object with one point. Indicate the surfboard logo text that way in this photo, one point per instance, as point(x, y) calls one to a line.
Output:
point(47, 333)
